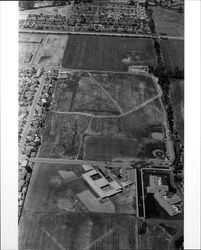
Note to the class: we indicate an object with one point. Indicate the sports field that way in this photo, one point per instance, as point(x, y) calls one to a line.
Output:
point(107, 53)
point(173, 53)
point(168, 22)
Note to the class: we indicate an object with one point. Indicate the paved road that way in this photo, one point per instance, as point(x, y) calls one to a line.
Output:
point(100, 34)
point(32, 111)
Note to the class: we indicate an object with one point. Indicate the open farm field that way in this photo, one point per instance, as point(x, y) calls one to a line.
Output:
point(63, 135)
point(111, 148)
point(77, 231)
point(173, 54)
point(107, 53)
point(168, 22)
point(177, 98)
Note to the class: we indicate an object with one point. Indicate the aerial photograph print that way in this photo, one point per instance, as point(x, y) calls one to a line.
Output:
point(101, 125)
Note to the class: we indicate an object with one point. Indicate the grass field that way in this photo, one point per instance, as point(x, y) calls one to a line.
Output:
point(107, 53)
point(63, 135)
point(177, 97)
point(53, 188)
point(111, 148)
point(168, 22)
point(77, 231)
point(173, 53)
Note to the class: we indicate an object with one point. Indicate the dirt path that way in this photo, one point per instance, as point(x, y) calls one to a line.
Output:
point(107, 116)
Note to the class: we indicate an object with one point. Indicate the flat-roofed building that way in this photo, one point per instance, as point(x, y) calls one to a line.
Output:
point(101, 185)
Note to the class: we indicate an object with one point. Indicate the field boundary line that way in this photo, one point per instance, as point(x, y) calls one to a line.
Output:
point(107, 116)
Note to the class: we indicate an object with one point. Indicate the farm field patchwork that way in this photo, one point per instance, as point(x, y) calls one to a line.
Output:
point(168, 22)
point(107, 53)
point(173, 54)
point(177, 97)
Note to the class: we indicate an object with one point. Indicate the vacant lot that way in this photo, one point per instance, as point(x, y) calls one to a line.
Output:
point(53, 50)
point(30, 43)
point(168, 22)
point(103, 93)
point(63, 135)
point(77, 231)
point(128, 90)
point(83, 94)
point(177, 97)
point(110, 148)
point(107, 53)
point(173, 53)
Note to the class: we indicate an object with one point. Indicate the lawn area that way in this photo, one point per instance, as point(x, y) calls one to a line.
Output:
point(173, 53)
point(168, 22)
point(177, 97)
point(107, 53)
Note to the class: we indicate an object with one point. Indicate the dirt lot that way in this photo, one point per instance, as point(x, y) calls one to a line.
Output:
point(63, 135)
point(177, 97)
point(173, 53)
point(107, 53)
point(168, 22)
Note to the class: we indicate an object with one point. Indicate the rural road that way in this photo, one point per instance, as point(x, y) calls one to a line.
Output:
point(100, 34)
point(32, 111)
